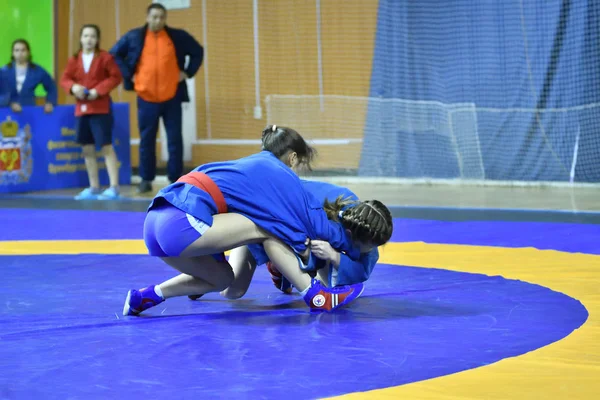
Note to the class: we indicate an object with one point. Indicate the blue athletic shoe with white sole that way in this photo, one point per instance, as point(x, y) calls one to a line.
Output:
point(109, 194)
point(141, 300)
point(88, 194)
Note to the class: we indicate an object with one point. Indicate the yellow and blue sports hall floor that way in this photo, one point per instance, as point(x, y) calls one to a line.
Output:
point(465, 304)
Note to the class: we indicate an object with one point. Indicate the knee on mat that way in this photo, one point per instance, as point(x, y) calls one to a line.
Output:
point(233, 294)
point(225, 279)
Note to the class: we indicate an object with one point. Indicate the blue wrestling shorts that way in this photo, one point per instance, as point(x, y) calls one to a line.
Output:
point(168, 231)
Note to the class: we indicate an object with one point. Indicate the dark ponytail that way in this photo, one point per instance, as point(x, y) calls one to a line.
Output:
point(368, 221)
point(281, 140)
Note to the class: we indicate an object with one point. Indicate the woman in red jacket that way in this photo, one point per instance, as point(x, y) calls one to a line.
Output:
point(90, 76)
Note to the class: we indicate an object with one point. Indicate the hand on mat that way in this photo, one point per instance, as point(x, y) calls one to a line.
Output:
point(78, 91)
point(16, 107)
point(324, 251)
point(93, 95)
point(182, 76)
point(48, 108)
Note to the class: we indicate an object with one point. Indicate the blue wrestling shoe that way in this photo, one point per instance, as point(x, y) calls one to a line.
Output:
point(140, 300)
point(321, 298)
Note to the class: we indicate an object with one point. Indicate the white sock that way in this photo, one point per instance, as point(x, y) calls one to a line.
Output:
point(158, 292)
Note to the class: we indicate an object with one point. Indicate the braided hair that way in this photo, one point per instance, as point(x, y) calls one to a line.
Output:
point(368, 221)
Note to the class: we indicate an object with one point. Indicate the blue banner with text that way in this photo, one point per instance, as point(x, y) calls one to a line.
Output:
point(38, 151)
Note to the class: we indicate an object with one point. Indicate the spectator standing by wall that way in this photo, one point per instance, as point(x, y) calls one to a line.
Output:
point(152, 60)
point(91, 74)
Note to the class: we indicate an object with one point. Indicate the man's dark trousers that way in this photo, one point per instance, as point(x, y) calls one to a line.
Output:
point(149, 115)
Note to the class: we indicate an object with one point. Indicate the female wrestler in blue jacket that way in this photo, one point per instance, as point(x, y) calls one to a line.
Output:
point(224, 205)
point(332, 267)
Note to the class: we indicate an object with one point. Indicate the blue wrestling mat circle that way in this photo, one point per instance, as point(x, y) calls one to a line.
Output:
point(62, 327)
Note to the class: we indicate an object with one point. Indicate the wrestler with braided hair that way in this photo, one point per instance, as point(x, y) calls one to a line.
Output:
point(368, 224)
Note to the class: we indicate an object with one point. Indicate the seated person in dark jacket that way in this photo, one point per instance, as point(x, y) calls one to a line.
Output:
point(21, 77)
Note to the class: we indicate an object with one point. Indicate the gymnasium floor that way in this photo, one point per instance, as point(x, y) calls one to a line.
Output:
point(484, 293)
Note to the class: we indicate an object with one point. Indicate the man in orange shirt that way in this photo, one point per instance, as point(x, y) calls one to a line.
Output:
point(152, 60)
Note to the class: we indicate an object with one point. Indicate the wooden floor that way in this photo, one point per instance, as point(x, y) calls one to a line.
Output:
point(576, 199)
point(459, 196)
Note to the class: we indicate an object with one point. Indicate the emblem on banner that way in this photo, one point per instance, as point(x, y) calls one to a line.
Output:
point(16, 163)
